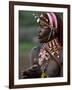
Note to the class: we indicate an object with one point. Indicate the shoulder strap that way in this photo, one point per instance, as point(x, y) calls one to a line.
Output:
point(54, 58)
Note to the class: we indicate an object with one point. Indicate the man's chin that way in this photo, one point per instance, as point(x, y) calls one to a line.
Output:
point(42, 40)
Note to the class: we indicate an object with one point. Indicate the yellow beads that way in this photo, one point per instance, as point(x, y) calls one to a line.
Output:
point(43, 75)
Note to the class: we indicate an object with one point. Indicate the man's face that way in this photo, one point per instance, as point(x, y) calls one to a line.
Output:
point(43, 33)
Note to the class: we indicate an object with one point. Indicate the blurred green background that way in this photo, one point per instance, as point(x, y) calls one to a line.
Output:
point(27, 37)
point(27, 31)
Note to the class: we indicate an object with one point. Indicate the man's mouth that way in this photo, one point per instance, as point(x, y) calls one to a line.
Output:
point(40, 36)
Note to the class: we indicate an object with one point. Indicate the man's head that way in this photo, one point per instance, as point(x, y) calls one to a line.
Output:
point(48, 27)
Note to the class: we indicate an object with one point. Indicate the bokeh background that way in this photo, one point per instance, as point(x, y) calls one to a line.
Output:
point(27, 37)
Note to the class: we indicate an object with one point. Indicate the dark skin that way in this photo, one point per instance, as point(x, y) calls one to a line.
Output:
point(43, 33)
point(43, 37)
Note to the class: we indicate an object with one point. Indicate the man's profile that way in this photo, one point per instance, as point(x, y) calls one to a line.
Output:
point(47, 57)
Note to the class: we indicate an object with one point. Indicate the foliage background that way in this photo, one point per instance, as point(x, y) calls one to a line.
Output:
point(27, 37)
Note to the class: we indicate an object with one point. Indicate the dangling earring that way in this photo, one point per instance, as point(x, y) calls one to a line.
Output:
point(53, 32)
point(50, 35)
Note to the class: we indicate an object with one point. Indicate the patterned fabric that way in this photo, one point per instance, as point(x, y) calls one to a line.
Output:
point(52, 68)
point(52, 21)
point(47, 52)
point(49, 66)
point(48, 19)
point(50, 54)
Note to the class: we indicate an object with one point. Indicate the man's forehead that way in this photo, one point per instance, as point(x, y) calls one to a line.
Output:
point(42, 23)
point(42, 18)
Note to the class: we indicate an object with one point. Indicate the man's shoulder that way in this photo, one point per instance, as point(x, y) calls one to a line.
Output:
point(34, 53)
point(36, 48)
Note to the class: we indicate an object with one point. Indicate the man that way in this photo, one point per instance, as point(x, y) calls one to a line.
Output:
point(48, 56)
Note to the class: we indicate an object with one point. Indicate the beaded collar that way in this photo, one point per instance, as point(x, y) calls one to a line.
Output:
point(53, 47)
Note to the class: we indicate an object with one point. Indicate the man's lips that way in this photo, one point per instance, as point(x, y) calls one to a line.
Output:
point(40, 36)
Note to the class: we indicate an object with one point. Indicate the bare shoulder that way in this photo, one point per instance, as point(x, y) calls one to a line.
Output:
point(36, 49)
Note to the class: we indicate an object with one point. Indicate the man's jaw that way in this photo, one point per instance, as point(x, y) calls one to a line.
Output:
point(43, 39)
